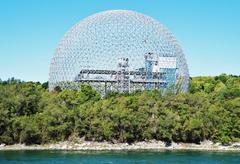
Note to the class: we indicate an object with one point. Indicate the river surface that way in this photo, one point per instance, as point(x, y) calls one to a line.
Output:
point(91, 157)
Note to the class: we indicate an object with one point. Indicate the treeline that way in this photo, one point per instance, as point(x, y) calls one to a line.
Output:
point(210, 110)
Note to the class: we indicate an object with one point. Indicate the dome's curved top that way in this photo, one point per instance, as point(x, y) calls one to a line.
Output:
point(98, 41)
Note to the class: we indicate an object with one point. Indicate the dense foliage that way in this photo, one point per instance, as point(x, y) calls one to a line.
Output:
point(210, 110)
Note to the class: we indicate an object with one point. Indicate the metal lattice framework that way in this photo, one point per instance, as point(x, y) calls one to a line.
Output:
point(119, 50)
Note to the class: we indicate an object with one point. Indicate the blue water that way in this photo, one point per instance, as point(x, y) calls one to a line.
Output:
point(67, 157)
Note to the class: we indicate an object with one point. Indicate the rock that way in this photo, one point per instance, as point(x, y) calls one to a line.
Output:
point(152, 144)
point(236, 145)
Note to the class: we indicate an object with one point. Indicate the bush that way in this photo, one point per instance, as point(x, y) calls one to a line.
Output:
point(210, 110)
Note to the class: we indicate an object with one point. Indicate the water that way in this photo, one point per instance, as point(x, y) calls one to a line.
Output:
point(67, 157)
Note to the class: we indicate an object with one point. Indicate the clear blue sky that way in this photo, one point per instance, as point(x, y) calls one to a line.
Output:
point(207, 30)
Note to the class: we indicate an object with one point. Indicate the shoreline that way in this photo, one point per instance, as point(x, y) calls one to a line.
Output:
point(145, 145)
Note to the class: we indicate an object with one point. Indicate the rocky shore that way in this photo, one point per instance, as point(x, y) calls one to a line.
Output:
point(146, 145)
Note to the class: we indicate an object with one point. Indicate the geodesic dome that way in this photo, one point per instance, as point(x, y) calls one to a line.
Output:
point(119, 50)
